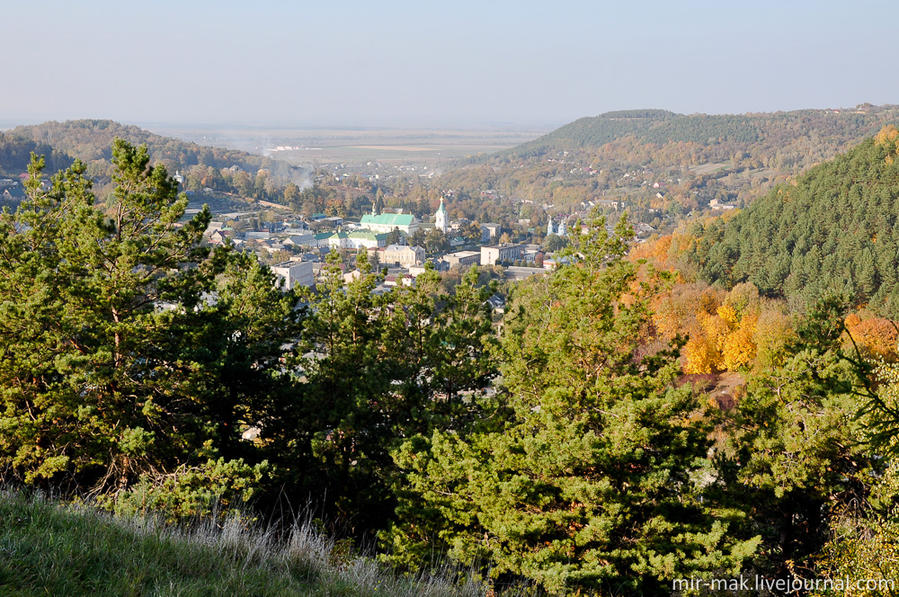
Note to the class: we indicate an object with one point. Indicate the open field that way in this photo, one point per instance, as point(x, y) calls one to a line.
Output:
point(313, 147)
point(706, 169)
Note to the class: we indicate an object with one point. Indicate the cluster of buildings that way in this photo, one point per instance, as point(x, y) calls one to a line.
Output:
point(372, 232)
point(10, 189)
point(302, 245)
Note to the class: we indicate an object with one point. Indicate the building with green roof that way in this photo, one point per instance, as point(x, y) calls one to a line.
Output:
point(357, 239)
point(389, 222)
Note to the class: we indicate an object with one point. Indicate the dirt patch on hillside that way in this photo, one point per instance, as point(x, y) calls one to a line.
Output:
point(724, 388)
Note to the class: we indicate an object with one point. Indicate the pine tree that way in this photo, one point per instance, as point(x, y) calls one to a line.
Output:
point(793, 453)
point(128, 347)
point(582, 473)
point(378, 369)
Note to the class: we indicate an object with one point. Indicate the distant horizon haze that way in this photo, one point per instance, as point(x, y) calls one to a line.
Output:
point(399, 64)
point(468, 125)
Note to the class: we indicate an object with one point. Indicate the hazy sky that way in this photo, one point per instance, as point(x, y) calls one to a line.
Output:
point(449, 63)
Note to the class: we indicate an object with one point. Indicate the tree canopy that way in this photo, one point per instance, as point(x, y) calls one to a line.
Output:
point(128, 348)
point(833, 231)
point(585, 471)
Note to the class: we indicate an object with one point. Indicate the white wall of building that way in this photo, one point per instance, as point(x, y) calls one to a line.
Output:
point(295, 273)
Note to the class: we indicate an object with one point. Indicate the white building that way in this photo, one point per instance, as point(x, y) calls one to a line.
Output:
point(560, 229)
point(441, 221)
point(715, 204)
point(257, 235)
point(403, 255)
point(500, 254)
point(357, 239)
point(489, 231)
point(295, 273)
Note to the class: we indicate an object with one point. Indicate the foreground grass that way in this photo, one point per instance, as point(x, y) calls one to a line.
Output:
point(48, 549)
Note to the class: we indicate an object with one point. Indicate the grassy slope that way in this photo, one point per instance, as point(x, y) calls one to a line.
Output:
point(46, 549)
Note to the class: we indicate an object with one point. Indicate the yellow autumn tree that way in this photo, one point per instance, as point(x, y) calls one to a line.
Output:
point(888, 135)
point(739, 346)
point(726, 330)
point(710, 299)
point(773, 330)
point(700, 357)
point(876, 336)
point(728, 315)
point(655, 251)
point(725, 335)
point(674, 312)
point(715, 329)
point(743, 296)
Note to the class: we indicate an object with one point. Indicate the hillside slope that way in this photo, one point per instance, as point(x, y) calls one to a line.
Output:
point(834, 230)
point(15, 154)
point(661, 166)
point(48, 549)
point(746, 131)
point(90, 141)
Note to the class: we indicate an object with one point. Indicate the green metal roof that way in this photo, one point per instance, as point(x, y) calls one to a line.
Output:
point(359, 234)
point(388, 219)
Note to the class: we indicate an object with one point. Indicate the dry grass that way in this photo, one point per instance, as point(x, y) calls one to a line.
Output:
point(51, 549)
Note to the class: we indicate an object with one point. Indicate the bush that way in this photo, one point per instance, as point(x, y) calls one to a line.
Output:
point(218, 488)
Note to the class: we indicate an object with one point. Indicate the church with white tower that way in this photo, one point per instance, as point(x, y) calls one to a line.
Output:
point(441, 221)
point(561, 229)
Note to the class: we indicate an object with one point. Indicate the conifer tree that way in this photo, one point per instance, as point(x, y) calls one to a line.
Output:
point(376, 370)
point(128, 348)
point(585, 472)
point(795, 453)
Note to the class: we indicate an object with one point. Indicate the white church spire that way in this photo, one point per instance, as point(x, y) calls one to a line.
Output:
point(440, 220)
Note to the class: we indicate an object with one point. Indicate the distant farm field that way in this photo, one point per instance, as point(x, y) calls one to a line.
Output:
point(311, 147)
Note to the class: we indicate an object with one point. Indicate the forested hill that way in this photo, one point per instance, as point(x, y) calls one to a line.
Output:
point(664, 166)
point(90, 140)
point(745, 131)
point(15, 154)
point(834, 230)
